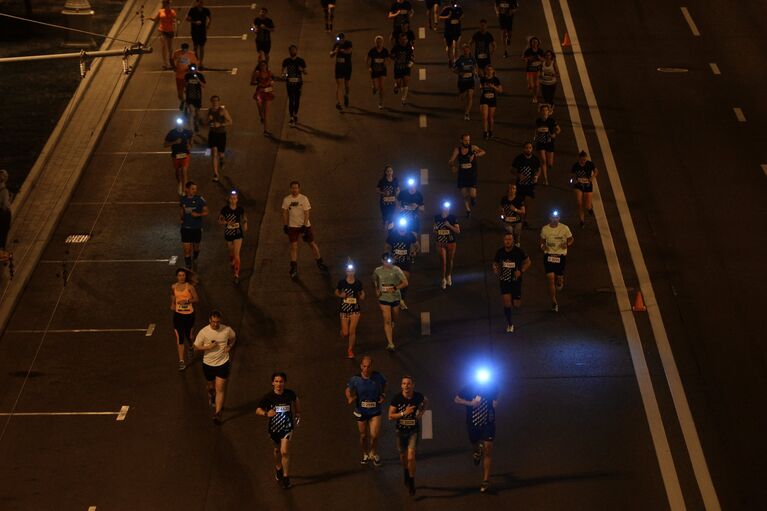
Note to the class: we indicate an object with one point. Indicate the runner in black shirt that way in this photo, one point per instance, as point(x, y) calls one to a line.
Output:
point(452, 14)
point(445, 228)
point(350, 291)
point(505, 9)
point(282, 408)
point(528, 168)
point(512, 211)
point(402, 55)
point(432, 12)
point(409, 34)
point(407, 408)
point(329, 8)
point(533, 58)
point(400, 12)
point(376, 60)
point(411, 204)
point(546, 130)
point(466, 69)
point(235, 223)
point(509, 264)
point(484, 46)
point(194, 81)
point(584, 173)
point(199, 17)
point(179, 139)
point(293, 70)
point(263, 27)
point(463, 162)
point(489, 89)
point(218, 120)
point(480, 399)
point(388, 189)
point(403, 244)
point(342, 53)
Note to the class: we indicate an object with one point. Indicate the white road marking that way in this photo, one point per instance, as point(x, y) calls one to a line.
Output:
point(77, 238)
point(207, 152)
point(244, 36)
point(123, 203)
point(123, 413)
point(172, 260)
point(112, 261)
point(425, 323)
point(147, 110)
point(150, 330)
point(144, 153)
point(424, 243)
point(91, 508)
point(424, 176)
point(253, 7)
point(714, 68)
point(422, 121)
point(421, 33)
point(427, 428)
point(79, 331)
point(63, 414)
point(681, 405)
point(422, 73)
point(234, 71)
point(739, 114)
point(764, 168)
point(214, 36)
point(690, 22)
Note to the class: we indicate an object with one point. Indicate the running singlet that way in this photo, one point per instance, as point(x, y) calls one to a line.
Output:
point(194, 83)
point(453, 22)
point(218, 117)
point(466, 164)
point(183, 296)
point(465, 66)
point(389, 189)
point(526, 168)
point(442, 233)
point(485, 84)
point(583, 174)
point(261, 24)
point(482, 44)
point(402, 57)
point(192, 204)
point(409, 423)
point(556, 238)
point(167, 20)
point(534, 59)
point(293, 69)
point(368, 392)
point(484, 414)
point(548, 74)
point(282, 423)
point(509, 215)
point(388, 278)
point(544, 128)
point(509, 262)
point(233, 217)
point(181, 149)
point(351, 302)
point(343, 60)
point(400, 245)
point(505, 7)
point(378, 60)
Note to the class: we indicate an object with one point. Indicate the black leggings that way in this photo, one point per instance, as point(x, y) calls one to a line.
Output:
point(294, 100)
point(547, 91)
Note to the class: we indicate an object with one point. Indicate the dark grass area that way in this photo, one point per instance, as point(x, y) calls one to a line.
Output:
point(34, 94)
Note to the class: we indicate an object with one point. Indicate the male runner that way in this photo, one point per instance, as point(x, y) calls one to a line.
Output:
point(182, 60)
point(407, 408)
point(376, 61)
point(293, 70)
point(179, 139)
point(342, 52)
point(466, 69)
point(463, 162)
point(484, 46)
point(218, 120)
point(295, 220)
point(528, 169)
point(403, 244)
point(199, 17)
point(194, 81)
point(366, 391)
point(555, 238)
point(402, 55)
point(452, 14)
point(389, 280)
point(193, 208)
point(282, 408)
point(411, 204)
point(329, 7)
point(400, 12)
point(216, 340)
point(263, 26)
point(509, 264)
point(505, 10)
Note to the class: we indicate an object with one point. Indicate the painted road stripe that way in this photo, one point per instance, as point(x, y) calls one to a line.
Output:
point(714, 68)
point(172, 260)
point(427, 428)
point(422, 73)
point(690, 22)
point(150, 330)
point(764, 168)
point(679, 398)
point(115, 261)
point(421, 33)
point(244, 36)
point(80, 331)
point(143, 153)
point(91, 508)
point(422, 121)
point(63, 414)
point(425, 323)
point(424, 176)
point(123, 413)
point(234, 71)
point(253, 7)
point(215, 36)
point(424, 243)
point(739, 114)
point(148, 110)
point(122, 203)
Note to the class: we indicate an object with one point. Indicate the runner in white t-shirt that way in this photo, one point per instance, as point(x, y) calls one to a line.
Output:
point(295, 222)
point(555, 238)
point(216, 340)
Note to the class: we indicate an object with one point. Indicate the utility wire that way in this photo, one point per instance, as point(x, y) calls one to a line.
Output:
point(65, 28)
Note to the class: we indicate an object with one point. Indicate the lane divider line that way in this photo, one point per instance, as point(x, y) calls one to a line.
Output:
point(244, 37)
point(234, 71)
point(739, 114)
point(123, 413)
point(422, 74)
point(150, 330)
point(422, 122)
point(79, 331)
point(714, 68)
point(424, 243)
point(421, 33)
point(425, 323)
point(91, 508)
point(690, 22)
point(424, 176)
point(427, 426)
point(172, 260)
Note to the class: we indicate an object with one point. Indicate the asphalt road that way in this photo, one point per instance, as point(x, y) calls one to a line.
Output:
point(572, 429)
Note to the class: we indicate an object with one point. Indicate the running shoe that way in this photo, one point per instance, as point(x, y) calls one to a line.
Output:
point(535, 99)
point(365, 459)
point(322, 266)
point(466, 117)
point(293, 272)
point(286, 482)
point(390, 347)
point(278, 474)
point(402, 305)
point(404, 102)
point(180, 190)
point(505, 54)
point(449, 280)
point(583, 224)
point(555, 307)
point(489, 135)
point(236, 279)
point(405, 477)
point(346, 100)
point(181, 105)
point(468, 213)
point(396, 89)
point(485, 486)
point(339, 107)
point(376, 460)
point(561, 286)
point(215, 179)
point(411, 486)
point(217, 418)
point(181, 365)
point(212, 398)
point(509, 329)
point(380, 106)
point(443, 283)
point(349, 353)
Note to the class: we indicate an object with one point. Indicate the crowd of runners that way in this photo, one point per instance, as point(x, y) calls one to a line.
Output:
point(401, 205)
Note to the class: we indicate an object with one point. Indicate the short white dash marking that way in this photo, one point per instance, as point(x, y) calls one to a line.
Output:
point(421, 33)
point(427, 427)
point(172, 260)
point(425, 323)
point(424, 243)
point(422, 121)
point(424, 176)
point(150, 330)
point(422, 74)
point(207, 152)
point(690, 22)
point(91, 508)
point(123, 413)
point(739, 114)
point(234, 71)
point(714, 68)
point(764, 168)
point(253, 7)
point(244, 37)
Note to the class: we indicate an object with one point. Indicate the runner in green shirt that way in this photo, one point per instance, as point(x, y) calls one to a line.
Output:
point(388, 280)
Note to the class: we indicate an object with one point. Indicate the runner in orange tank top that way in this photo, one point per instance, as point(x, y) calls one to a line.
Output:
point(167, 18)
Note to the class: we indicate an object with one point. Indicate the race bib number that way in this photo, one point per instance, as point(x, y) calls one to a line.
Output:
point(294, 80)
point(543, 129)
point(183, 307)
point(443, 232)
point(466, 165)
point(554, 259)
point(455, 22)
point(387, 289)
point(504, 6)
point(411, 207)
point(181, 156)
point(340, 60)
point(467, 75)
point(390, 199)
point(282, 408)
point(509, 264)
point(378, 61)
point(489, 95)
point(233, 225)
point(511, 219)
point(482, 55)
point(350, 301)
point(368, 404)
point(583, 180)
point(400, 252)
point(407, 422)
point(266, 89)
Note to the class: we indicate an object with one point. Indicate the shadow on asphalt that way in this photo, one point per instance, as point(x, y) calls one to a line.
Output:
point(320, 133)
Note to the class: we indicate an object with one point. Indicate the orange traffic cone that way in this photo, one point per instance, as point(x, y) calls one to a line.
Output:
point(566, 40)
point(639, 305)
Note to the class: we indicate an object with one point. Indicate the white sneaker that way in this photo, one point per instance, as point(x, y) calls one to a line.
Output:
point(509, 329)
point(443, 283)
point(449, 280)
point(365, 459)
point(180, 190)
point(402, 305)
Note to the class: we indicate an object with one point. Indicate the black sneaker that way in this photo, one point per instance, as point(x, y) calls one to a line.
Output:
point(339, 107)
point(405, 477)
point(346, 100)
point(411, 486)
point(286, 482)
point(293, 271)
point(278, 474)
point(485, 486)
point(322, 266)
point(468, 213)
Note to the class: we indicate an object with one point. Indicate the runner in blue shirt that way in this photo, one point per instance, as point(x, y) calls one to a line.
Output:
point(366, 391)
point(193, 208)
point(480, 399)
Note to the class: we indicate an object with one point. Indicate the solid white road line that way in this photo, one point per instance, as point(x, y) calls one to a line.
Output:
point(150, 330)
point(764, 168)
point(681, 405)
point(79, 331)
point(714, 68)
point(143, 153)
point(123, 413)
point(253, 7)
point(646, 391)
point(234, 71)
point(244, 36)
point(427, 427)
point(422, 74)
point(147, 110)
point(91, 508)
point(424, 176)
point(739, 114)
point(115, 261)
point(425, 323)
point(124, 410)
point(214, 36)
point(690, 22)
point(422, 121)
point(424, 243)
point(421, 33)
point(172, 260)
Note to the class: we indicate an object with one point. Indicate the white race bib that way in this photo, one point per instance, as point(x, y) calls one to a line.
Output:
point(183, 307)
point(407, 422)
point(543, 129)
point(553, 259)
point(443, 232)
point(294, 80)
point(489, 95)
point(350, 301)
point(378, 61)
point(583, 180)
point(466, 165)
point(467, 75)
point(341, 60)
point(387, 289)
point(233, 225)
point(400, 252)
point(509, 264)
point(455, 22)
point(368, 404)
point(389, 199)
point(481, 55)
point(282, 408)
point(181, 156)
point(266, 89)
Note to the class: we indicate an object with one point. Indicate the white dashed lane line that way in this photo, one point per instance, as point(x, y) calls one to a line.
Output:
point(739, 114)
point(421, 33)
point(424, 176)
point(690, 22)
point(425, 322)
point(714, 68)
point(422, 74)
point(424, 243)
point(422, 122)
point(427, 427)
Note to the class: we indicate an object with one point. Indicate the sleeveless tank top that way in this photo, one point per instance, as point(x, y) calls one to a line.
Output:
point(183, 296)
point(548, 77)
point(465, 163)
point(217, 116)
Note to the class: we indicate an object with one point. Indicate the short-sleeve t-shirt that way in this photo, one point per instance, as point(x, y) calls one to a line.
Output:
point(192, 204)
point(441, 231)
point(409, 423)
point(400, 244)
point(544, 128)
point(402, 56)
point(182, 60)
point(482, 44)
point(505, 7)
point(509, 261)
point(353, 290)
point(387, 279)
point(368, 392)
point(527, 167)
point(410, 202)
point(293, 68)
point(167, 20)
point(555, 238)
point(282, 404)
point(343, 59)
point(484, 413)
point(194, 82)
point(296, 207)
point(221, 337)
point(378, 59)
point(409, 35)
point(453, 21)
point(389, 189)
point(201, 15)
point(509, 215)
point(261, 24)
point(485, 84)
point(534, 60)
point(583, 174)
point(233, 217)
point(465, 67)
point(404, 9)
point(180, 149)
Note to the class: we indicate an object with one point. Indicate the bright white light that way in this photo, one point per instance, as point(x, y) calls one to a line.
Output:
point(403, 222)
point(411, 182)
point(179, 121)
point(483, 375)
point(446, 204)
point(555, 213)
point(349, 267)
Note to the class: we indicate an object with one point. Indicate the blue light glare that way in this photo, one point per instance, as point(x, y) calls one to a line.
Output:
point(483, 375)
point(411, 182)
point(179, 121)
point(349, 267)
point(403, 222)
point(446, 204)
